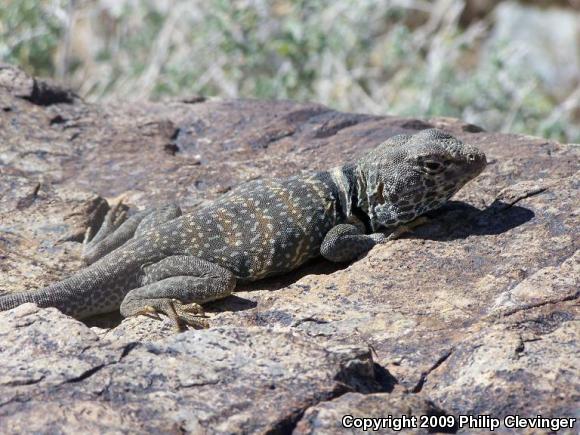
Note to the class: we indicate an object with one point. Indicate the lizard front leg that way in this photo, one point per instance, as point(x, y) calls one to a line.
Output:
point(177, 286)
point(346, 242)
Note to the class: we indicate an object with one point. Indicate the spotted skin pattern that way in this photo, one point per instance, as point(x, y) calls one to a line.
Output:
point(160, 261)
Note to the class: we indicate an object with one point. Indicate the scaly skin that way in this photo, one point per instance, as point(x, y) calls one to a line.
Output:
point(162, 261)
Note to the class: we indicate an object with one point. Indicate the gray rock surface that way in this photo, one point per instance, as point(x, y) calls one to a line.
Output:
point(58, 374)
point(476, 312)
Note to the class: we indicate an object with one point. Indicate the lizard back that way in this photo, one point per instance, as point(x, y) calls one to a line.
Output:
point(260, 229)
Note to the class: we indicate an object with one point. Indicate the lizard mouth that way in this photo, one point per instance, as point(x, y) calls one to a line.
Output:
point(476, 160)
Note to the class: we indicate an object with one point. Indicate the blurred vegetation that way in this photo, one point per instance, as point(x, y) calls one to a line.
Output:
point(409, 57)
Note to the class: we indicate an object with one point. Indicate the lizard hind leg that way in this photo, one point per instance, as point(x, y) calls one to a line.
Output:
point(114, 218)
point(117, 229)
point(157, 217)
point(177, 286)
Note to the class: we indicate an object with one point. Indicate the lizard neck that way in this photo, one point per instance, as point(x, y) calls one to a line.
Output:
point(351, 187)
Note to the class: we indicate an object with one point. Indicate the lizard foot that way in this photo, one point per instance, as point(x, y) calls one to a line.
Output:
point(113, 220)
point(182, 315)
point(188, 315)
point(407, 228)
point(118, 213)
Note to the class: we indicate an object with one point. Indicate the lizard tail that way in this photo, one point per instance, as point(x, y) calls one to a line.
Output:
point(42, 297)
point(77, 296)
point(96, 289)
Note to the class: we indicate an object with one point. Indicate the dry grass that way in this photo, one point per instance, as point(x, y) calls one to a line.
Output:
point(405, 57)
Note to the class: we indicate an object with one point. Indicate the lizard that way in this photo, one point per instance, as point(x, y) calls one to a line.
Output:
point(161, 261)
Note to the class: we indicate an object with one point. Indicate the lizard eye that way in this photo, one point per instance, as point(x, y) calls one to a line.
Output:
point(432, 167)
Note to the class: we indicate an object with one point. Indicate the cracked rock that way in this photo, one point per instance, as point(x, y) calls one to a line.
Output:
point(58, 374)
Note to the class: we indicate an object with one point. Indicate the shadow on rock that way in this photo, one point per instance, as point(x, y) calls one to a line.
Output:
point(316, 266)
point(231, 303)
point(459, 220)
point(385, 379)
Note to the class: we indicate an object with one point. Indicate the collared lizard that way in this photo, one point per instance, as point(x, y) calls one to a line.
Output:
point(163, 261)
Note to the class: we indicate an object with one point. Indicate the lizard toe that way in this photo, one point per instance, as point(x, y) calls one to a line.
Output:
point(191, 314)
point(148, 311)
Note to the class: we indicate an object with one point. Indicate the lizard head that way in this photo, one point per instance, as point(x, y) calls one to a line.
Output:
point(407, 176)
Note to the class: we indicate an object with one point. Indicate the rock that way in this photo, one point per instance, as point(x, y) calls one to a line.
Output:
point(474, 313)
point(217, 379)
point(500, 365)
point(40, 92)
